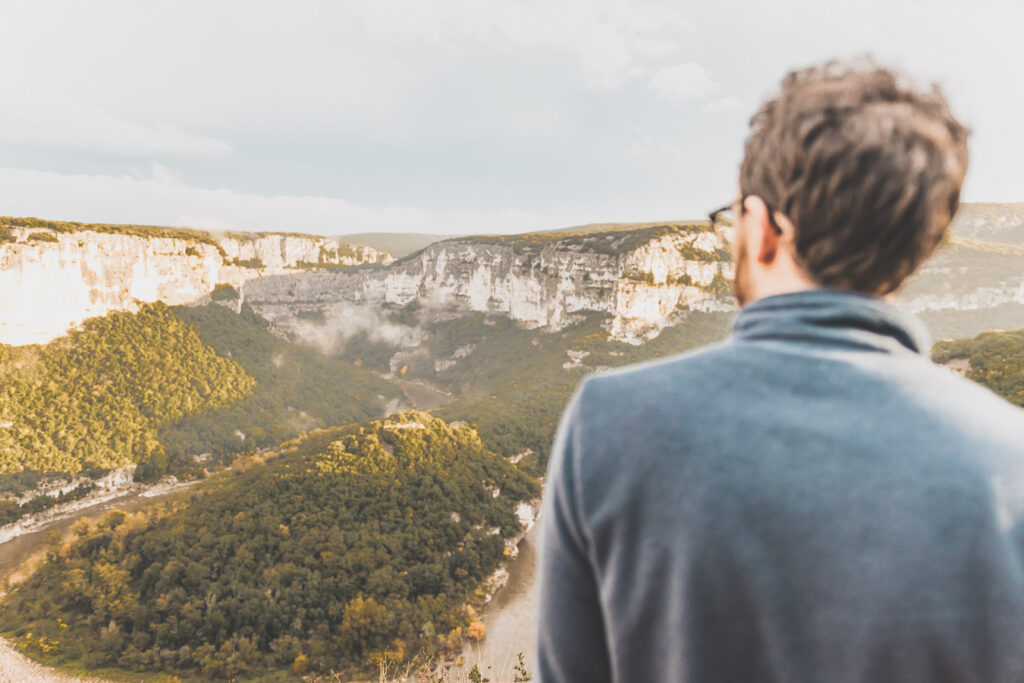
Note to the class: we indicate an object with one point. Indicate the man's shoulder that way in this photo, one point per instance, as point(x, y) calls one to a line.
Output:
point(965, 403)
point(712, 378)
point(684, 361)
point(646, 385)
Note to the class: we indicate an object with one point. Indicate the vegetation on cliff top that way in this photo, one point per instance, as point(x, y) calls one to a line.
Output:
point(96, 398)
point(608, 239)
point(154, 231)
point(356, 542)
point(189, 234)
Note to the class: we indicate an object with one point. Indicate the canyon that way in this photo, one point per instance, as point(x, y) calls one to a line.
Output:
point(541, 295)
point(639, 276)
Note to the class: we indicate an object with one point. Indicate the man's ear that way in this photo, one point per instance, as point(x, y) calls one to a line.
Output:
point(768, 239)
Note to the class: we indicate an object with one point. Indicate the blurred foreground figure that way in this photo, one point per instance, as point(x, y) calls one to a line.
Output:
point(813, 499)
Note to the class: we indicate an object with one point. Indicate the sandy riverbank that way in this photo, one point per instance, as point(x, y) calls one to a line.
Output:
point(17, 668)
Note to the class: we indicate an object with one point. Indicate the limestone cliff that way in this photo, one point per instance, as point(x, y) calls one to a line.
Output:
point(51, 280)
point(637, 277)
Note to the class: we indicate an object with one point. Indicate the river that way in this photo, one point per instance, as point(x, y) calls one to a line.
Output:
point(19, 551)
point(509, 617)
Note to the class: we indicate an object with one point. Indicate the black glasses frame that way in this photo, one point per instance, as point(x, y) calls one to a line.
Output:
point(713, 216)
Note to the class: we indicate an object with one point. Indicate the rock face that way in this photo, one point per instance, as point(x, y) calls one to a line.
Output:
point(281, 252)
point(637, 277)
point(51, 281)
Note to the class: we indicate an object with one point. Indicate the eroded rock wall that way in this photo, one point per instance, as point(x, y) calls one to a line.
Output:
point(49, 285)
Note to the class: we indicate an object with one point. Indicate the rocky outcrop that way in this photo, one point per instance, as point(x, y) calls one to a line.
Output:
point(115, 479)
point(282, 252)
point(638, 278)
point(51, 281)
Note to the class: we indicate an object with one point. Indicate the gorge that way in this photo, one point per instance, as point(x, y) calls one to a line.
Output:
point(497, 329)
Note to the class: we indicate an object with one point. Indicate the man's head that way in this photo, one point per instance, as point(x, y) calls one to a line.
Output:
point(849, 180)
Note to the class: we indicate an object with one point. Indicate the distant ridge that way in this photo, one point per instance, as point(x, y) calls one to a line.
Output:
point(398, 244)
point(150, 231)
point(991, 222)
point(619, 227)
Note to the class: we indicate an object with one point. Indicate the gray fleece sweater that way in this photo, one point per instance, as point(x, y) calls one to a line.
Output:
point(811, 500)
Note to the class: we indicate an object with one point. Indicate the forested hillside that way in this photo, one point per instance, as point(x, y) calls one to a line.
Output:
point(96, 398)
point(513, 383)
point(354, 542)
point(994, 359)
point(297, 388)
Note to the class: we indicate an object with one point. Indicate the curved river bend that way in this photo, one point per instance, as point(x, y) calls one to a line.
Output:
point(509, 617)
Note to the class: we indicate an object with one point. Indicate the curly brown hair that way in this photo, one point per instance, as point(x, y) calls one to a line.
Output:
point(867, 168)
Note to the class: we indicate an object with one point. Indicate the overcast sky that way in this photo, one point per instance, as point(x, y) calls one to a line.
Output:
point(451, 116)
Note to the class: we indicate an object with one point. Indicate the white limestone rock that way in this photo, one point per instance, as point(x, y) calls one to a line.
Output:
point(48, 287)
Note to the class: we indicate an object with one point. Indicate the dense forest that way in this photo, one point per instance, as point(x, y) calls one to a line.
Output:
point(996, 360)
point(162, 385)
point(297, 388)
point(96, 398)
point(354, 543)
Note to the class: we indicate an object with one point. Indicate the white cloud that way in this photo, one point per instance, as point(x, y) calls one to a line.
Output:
point(686, 81)
point(52, 122)
point(164, 175)
point(722, 105)
point(150, 79)
point(163, 200)
point(351, 97)
point(607, 41)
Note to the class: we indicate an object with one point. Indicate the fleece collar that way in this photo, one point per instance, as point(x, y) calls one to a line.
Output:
point(834, 318)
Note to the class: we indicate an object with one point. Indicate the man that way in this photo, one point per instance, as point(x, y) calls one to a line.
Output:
point(811, 500)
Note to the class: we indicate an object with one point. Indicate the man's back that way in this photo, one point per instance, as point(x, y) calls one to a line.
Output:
point(811, 500)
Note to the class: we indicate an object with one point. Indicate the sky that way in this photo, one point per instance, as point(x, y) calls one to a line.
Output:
point(451, 117)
